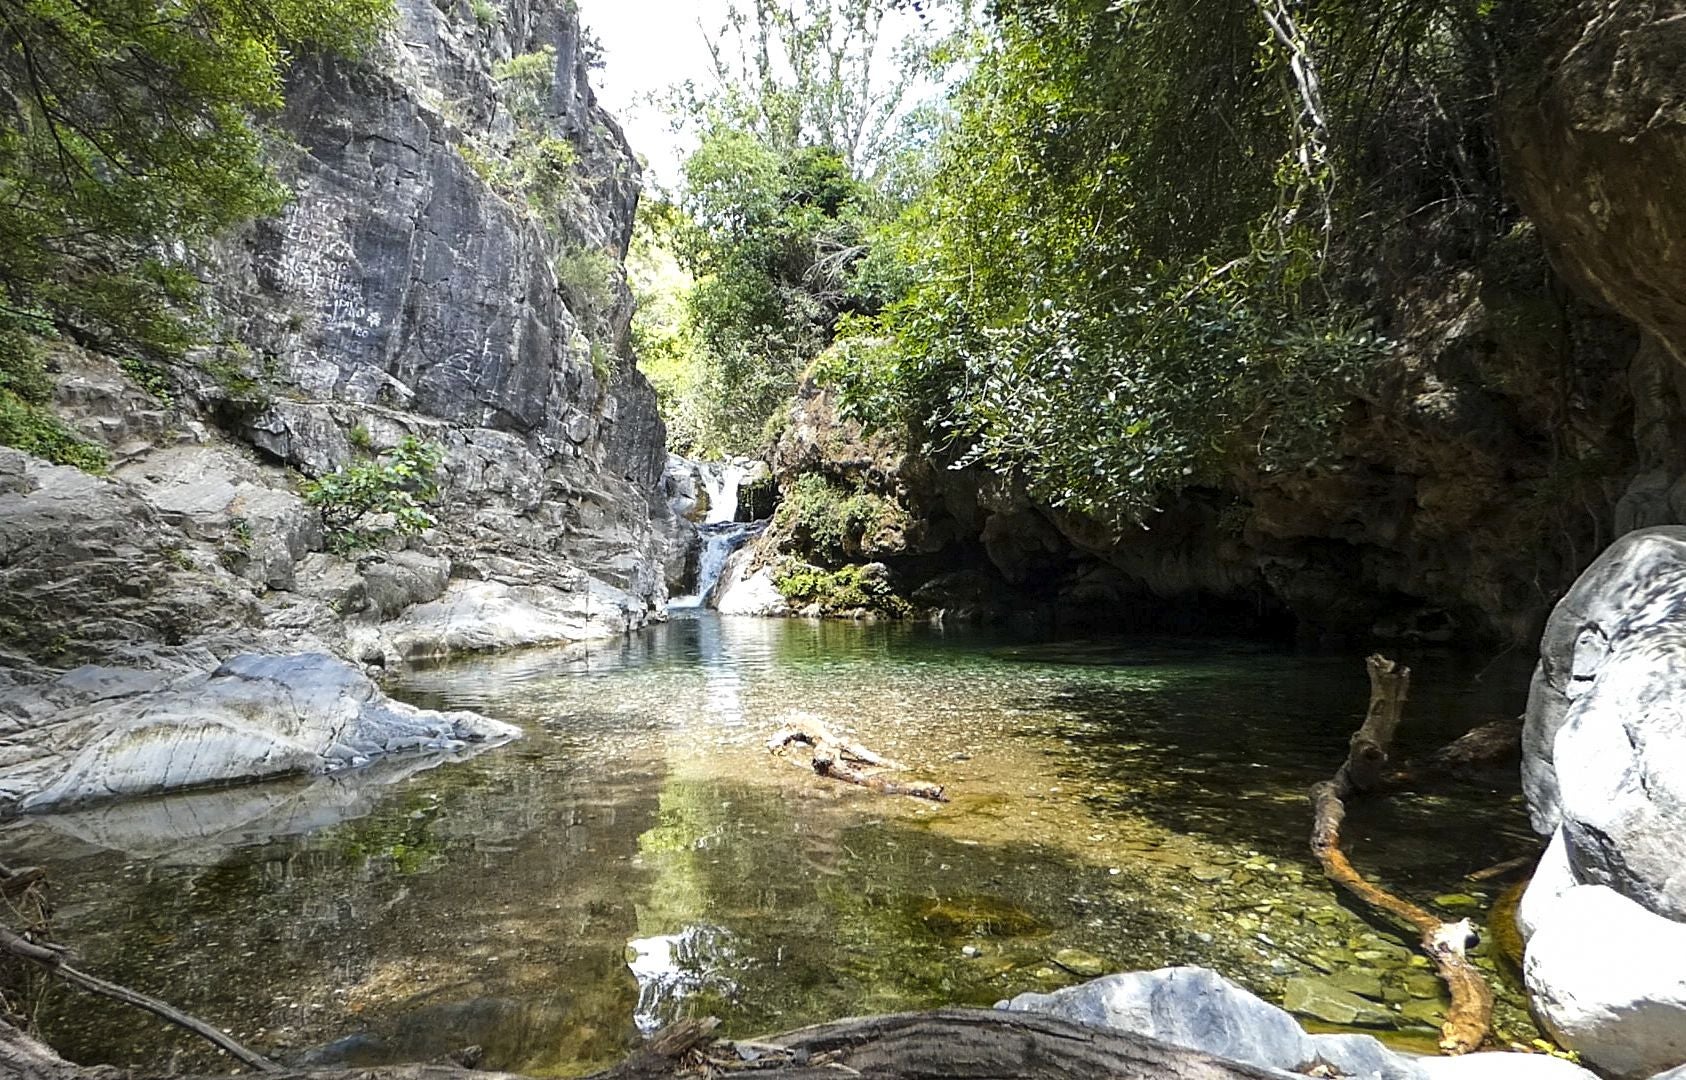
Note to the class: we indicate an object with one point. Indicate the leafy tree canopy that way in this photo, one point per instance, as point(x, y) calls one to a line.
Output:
point(1121, 270)
point(807, 145)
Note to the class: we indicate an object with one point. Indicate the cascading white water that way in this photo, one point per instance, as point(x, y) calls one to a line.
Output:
point(721, 479)
point(719, 540)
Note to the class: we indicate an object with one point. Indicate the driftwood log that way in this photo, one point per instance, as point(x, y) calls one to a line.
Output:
point(841, 759)
point(946, 1044)
point(1469, 1020)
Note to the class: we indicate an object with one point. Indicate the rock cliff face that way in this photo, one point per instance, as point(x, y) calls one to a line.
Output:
point(400, 293)
point(412, 287)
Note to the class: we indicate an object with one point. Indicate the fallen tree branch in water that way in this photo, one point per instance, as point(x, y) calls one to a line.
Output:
point(832, 758)
point(51, 957)
point(1469, 1020)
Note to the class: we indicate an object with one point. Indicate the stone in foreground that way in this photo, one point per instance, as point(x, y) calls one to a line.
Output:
point(253, 718)
point(1608, 978)
point(1201, 1010)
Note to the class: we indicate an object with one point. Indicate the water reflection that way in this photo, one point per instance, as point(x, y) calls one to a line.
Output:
point(641, 857)
point(672, 967)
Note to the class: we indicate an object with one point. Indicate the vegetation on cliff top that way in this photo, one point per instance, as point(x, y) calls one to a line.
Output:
point(129, 136)
point(1134, 251)
point(807, 147)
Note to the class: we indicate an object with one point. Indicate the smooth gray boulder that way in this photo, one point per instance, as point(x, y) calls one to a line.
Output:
point(1608, 978)
point(254, 717)
point(1553, 877)
point(746, 591)
point(1606, 699)
point(1604, 770)
point(483, 616)
point(1200, 1009)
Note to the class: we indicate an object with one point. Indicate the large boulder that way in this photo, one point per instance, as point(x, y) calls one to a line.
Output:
point(485, 616)
point(97, 734)
point(1604, 769)
point(746, 589)
point(1604, 744)
point(86, 559)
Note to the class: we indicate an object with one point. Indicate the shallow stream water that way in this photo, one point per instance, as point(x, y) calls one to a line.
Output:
point(640, 855)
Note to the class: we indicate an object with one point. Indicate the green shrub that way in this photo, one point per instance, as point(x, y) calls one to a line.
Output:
point(26, 421)
point(587, 276)
point(149, 377)
point(33, 429)
point(485, 13)
point(829, 523)
point(849, 588)
point(602, 363)
point(402, 483)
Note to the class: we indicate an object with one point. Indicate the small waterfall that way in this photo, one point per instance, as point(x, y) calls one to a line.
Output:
point(719, 540)
point(721, 480)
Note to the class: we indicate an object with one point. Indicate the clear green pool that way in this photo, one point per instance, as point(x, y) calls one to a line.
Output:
point(640, 855)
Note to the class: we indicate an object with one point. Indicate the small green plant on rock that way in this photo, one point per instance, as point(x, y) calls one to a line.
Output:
point(832, 524)
point(149, 377)
point(27, 421)
point(587, 277)
point(399, 484)
point(847, 589)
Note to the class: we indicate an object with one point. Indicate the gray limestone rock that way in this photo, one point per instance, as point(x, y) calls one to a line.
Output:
point(482, 616)
point(86, 559)
point(1200, 1009)
point(252, 718)
point(746, 591)
point(1605, 740)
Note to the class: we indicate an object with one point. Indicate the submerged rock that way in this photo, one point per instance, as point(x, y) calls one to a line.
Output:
point(1323, 999)
point(1079, 962)
point(252, 718)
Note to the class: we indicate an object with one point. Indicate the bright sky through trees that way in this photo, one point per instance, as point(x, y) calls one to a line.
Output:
point(650, 45)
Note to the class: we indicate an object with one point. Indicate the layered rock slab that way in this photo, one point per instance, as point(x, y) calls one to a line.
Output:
point(105, 733)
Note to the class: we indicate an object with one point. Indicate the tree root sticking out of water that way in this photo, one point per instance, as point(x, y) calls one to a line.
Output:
point(52, 958)
point(1469, 1020)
